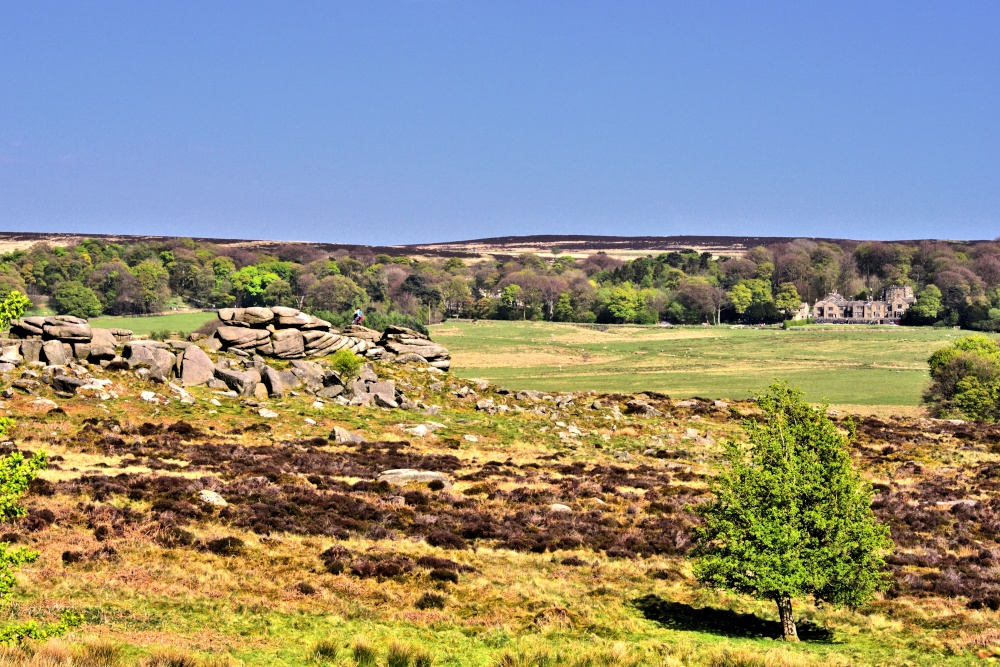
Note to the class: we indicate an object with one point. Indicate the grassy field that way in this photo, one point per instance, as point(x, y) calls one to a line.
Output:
point(179, 322)
point(857, 366)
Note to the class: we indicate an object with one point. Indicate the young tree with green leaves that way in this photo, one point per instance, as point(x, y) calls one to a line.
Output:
point(16, 474)
point(12, 307)
point(791, 515)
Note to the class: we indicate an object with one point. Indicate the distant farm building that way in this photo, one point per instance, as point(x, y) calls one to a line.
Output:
point(835, 309)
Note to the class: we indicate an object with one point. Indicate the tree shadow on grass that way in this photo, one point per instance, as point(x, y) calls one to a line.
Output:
point(679, 616)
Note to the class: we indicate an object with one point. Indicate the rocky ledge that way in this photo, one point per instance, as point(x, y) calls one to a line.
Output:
point(287, 333)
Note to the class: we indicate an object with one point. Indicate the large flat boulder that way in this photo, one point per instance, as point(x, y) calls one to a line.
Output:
point(257, 316)
point(75, 332)
point(429, 351)
point(230, 314)
point(241, 337)
point(103, 338)
point(27, 326)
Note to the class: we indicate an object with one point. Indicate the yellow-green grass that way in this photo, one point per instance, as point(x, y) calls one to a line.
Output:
point(854, 365)
point(179, 322)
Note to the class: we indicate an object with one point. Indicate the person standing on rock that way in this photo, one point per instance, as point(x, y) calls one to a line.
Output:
point(359, 317)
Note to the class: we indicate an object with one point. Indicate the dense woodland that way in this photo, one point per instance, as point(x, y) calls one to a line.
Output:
point(956, 284)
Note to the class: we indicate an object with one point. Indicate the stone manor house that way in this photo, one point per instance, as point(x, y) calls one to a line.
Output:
point(835, 309)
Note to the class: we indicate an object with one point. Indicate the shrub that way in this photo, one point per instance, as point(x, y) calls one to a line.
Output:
point(226, 546)
point(965, 379)
point(431, 601)
point(346, 363)
point(444, 575)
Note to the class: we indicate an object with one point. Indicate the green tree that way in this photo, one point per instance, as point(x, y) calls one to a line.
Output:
point(563, 312)
point(625, 303)
point(154, 284)
point(791, 516)
point(741, 297)
point(927, 308)
point(965, 379)
point(335, 293)
point(16, 474)
point(278, 293)
point(12, 307)
point(511, 298)
point(787, 300)
point(250, 283)
point(74, 298)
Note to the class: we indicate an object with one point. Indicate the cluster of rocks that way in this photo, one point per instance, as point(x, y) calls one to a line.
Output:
point(58, 342)
point(287, 333)
point(58, 339)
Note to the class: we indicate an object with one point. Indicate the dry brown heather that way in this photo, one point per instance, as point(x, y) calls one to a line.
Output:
point(312, 555)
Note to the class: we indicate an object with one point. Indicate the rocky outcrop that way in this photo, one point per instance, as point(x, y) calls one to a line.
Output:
point(401, 341)
point(58, 339)
point(250, 334)
point(285, 333)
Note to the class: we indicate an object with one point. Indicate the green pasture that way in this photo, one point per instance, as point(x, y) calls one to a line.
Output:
point(845, 365)
point(142, 326)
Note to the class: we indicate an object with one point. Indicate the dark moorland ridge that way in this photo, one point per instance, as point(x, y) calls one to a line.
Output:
point(569, 242)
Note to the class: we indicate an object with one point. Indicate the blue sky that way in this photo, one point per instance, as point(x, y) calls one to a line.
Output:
point(392, 121)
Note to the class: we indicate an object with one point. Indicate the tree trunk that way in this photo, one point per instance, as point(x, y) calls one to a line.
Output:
point(787, 622)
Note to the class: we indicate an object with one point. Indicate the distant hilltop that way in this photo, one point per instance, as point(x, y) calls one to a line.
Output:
point(622, 247)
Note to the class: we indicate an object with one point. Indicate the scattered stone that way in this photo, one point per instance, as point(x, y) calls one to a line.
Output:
point(212, 498)
point(342, 436)
point(470, 438)
point(559, 507)
point(267, 414)
point(404, 476)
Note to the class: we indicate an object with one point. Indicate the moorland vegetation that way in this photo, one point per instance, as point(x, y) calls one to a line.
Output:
point(557, 530)
point(955, 283)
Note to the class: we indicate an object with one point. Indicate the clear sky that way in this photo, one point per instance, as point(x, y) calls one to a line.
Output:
point(393, 121)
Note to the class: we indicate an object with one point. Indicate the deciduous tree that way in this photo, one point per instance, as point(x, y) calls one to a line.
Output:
point(791, 516)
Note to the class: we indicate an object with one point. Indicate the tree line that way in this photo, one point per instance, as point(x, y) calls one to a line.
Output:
point(955, 283)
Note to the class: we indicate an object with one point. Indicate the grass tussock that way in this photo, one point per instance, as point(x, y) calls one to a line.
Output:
point(364, 653)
